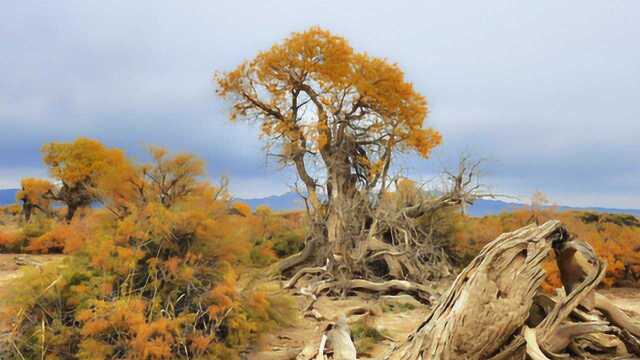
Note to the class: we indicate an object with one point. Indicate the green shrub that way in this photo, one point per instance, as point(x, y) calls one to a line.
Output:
point(365, 336)
point(288, 243)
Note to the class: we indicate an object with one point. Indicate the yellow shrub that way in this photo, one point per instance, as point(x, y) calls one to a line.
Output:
point(11, 240)
point(152, 277)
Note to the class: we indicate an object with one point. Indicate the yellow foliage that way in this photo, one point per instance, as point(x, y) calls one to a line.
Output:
point(33, 191)
point(242, 209)
point(81, 161)
point(62, 237)
point(223, 294)
point(11, 239)
point(351, 95)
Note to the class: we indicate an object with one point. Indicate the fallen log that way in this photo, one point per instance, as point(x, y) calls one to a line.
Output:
point(494, 309)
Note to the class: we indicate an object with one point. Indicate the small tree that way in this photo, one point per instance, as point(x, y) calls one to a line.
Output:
point(32, 196)
point(167, 179)
point(83, 170)
point(79, 167)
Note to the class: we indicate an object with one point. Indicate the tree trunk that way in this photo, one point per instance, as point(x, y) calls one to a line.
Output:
point(493, 309)
point(71, 210)
point(27, 209)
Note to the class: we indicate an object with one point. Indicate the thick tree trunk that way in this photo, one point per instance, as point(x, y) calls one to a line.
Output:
point(27, 210)
point(493, 311)
point(71, 211)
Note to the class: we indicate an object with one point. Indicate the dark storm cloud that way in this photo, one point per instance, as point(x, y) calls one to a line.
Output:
point(548, 91)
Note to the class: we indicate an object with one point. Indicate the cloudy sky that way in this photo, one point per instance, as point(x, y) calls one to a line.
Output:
point(547, 91)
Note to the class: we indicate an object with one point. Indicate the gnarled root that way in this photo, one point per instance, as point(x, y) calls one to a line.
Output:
point(297, 259)
point(418, 291)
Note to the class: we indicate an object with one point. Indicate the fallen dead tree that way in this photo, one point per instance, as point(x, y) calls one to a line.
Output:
point(494, 309)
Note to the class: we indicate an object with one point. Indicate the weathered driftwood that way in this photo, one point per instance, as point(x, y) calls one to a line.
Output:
point(494, 310)
point(338, 339)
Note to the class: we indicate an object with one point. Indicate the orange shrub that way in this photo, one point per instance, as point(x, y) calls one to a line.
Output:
point(55, 240)
point(615, 238)
point(153, 277)
point(11, 240)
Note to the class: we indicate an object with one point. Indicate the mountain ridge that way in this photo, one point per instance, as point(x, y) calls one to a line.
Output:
point(482, 207)
point(291, 201)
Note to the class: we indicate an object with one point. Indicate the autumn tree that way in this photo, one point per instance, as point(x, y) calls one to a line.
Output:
point(338, 117)
point(79, 167)
point(33, 196)
point(167, 179)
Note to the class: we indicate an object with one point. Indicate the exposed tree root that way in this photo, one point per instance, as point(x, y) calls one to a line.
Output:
point(616, 316)
point(382, 244)
point(294, 260)
point(420, 292)
point(304, 271)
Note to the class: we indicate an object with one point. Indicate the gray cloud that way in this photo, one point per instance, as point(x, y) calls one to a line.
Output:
point(548, 91)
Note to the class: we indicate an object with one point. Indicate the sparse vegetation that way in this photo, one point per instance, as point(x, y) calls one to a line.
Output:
point(365, 336)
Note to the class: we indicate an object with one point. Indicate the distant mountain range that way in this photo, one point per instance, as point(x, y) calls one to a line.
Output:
point(291, 201)
point(285, 202)
point(485, 207)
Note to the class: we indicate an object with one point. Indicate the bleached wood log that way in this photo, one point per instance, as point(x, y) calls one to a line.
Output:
point(340, 340)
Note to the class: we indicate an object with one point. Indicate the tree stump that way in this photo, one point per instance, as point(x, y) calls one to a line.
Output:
point(494, 309)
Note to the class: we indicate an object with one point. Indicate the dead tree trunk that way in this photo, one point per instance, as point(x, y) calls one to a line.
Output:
point(493, 309)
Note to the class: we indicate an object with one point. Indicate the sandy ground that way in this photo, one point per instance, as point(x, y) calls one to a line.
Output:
point(11, 264)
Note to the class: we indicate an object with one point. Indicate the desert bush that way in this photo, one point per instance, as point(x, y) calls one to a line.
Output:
point(275, 235)
point(151, 276)
point(38, 226)
point(288, 243)
point(11, 210)
point(11, 240)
